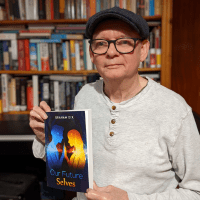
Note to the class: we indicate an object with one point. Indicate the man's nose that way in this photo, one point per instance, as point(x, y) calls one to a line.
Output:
point(112, 50)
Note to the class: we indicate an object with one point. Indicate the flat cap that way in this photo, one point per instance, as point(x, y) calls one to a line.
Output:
point(137, 22)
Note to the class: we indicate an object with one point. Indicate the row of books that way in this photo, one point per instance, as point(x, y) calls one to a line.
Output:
point(22, 93)
point(60, 52)
point(72, 9)
point(45, 55)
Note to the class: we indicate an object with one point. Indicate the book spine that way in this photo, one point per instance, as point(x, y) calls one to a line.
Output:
point(14, 54)
point(51, 94)
point(68, 94)
point(48, 9)
point(98, 6)
point(82, 66)
point(35, 10)
point(11, 8)
point(151, 8)
point(158, 7)
point(23, 94)
point(152, 57)
point(29, 92)
point(77, 57)
point(33, 56)
point(158, 58)
point(45, 90)
point(62, 8)
point(52, 9)
point(55, 65)
point(4, 86)
point(133, 6)
point(84, 9)
point(7, 10)
point(6, 55)
point(44, 53)
point(72, 50)
point(39, 57)
point(146, 11)
point(12, 95)
point(8, 36)
point(56, 95)
point(68, 54)
point(18, 99)
point(1, 55)
point(35, 90)
point(65, 63)
point(56, 9)
point(59, 56)
point(41, 9)
point(62, 95)
point(50, 56)
point(21, 55)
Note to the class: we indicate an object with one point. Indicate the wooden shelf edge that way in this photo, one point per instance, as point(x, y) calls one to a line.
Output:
point(27, 112)
point(61, 21)
point(43, 21)
point(81, 72)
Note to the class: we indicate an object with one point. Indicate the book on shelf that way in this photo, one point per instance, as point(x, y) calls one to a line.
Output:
point(29, 93)
point(35, 84)
point(5, 78)
point(68, 135)
point(33, 57)
point(31, 7)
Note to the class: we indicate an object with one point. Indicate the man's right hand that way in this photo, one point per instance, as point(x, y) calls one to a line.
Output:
point(36, 120)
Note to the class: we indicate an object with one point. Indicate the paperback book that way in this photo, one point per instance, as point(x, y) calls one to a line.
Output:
point(68, 145)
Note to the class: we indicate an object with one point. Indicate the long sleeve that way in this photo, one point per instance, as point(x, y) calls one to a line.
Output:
point(185, 159)
point(38, 149)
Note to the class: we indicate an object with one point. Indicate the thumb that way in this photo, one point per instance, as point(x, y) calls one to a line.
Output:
point(95, 187)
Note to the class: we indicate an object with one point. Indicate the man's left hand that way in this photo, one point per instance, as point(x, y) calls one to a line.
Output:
point(106, 193)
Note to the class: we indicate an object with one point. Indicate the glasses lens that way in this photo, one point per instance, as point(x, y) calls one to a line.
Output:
point(125, 45)
point(99, 46)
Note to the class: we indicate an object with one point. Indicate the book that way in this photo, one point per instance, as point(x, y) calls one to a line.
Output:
point(29, 93)
point(35, 83)
point(42, 9)
point(68, 144)
point(1, 55)
point(6, 55)
point(21, 55)
point(67, 36)
point(5, 95)
point(44, 54)
point(8, 36)
point(23, 93)
point(33, 56)
point(14, 54)
point(55, 65)
point(62, 8)
point(72, 55)
point(31, 7)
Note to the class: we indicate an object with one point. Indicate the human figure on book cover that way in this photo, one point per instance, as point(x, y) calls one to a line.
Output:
point(53, 158)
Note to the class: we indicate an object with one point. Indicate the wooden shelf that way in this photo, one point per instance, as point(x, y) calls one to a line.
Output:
point(60, 21)
point(81, 72)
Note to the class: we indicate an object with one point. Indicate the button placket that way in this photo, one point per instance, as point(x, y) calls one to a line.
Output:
point(113, 122)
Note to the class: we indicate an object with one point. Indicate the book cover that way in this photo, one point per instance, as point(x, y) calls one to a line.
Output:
point(6, 55)
point(68, 137)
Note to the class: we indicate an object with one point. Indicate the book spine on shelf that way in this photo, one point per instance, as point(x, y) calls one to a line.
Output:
point(59, 56)
point(42, 9)
point(39, 57)
point(68, 94)
point(1, 56)
point(35, 90)
point(48, 9)
point(62, 8)
point(55, 65)
point(29, 92)
point(65, 61)
point(44, 53)
point(4, 86)
point(89, 62)
point(18, 99)
point(27, 54)
point(50, 56)
point(151, 8)
point(33, 56)
point(8, 36)
point(6, 55)
point(52, 9)
point(82, 66)
point(21, 55)
point(12, 104)
point(73, 59)
point(46, 90)
point(62, 95)
point(51, 94)
point(77, 55)
point(56, 96)
point(56, 9)
point(23, 94)
point(14, 54)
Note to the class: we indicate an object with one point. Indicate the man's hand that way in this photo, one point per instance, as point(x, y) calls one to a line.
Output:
point(36, 120)
point(106, 193)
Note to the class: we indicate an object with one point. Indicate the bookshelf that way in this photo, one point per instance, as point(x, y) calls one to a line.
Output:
point(166, 29)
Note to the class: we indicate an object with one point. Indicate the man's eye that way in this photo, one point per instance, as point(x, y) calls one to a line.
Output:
point(125, 42)
point(100, 44)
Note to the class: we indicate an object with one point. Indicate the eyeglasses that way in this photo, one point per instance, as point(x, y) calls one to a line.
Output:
point(122, 45)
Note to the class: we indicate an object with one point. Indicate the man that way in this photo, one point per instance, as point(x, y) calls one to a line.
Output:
point(145, 140)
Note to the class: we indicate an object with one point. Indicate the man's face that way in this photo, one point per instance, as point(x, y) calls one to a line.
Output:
point(115, 65)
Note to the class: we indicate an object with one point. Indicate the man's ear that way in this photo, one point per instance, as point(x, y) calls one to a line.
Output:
point(144, 50)
point(91, 55)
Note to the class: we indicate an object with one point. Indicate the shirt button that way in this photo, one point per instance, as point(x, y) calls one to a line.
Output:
point(113, 107)
point(113, 121)
point(111, 134)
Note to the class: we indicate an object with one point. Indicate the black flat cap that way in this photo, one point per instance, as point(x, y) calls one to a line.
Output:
point(136, 21)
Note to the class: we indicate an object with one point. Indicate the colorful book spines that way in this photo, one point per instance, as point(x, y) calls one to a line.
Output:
point(33, 56)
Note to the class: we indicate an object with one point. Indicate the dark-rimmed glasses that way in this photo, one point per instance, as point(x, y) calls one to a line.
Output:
point(122, 45)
